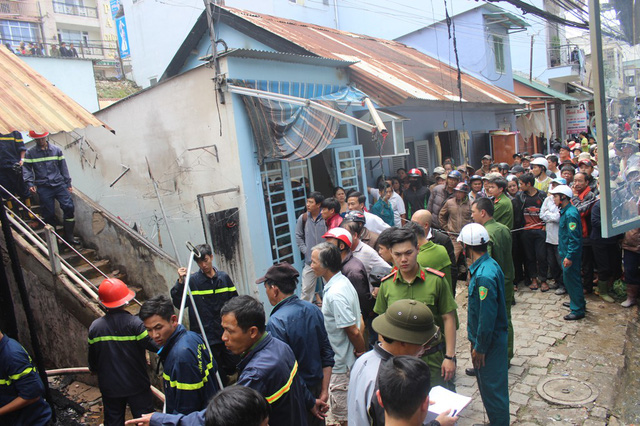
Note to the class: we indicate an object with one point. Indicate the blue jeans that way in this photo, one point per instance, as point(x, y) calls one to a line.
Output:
point(48, 195)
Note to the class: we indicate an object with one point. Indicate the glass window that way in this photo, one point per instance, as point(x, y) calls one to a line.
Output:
point(498, 52)
point(15, 31)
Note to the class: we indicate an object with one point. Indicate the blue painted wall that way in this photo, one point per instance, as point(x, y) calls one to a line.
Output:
point(474, 43)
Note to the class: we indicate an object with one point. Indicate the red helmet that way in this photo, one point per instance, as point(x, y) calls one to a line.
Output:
point(415, 173)
point(114, 293)
point(37, 135)
point(340, 234)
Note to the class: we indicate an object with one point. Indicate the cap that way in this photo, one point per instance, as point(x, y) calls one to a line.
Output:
point(487, 157)
point(561, 181)
point(439, 170)
point(517, 154)
point(279, 272)
point(492, 176)
point(585, 162)
point(36, 135)
point(442, 176)
point(517, 169)
point(565, 147)
point(406, 321)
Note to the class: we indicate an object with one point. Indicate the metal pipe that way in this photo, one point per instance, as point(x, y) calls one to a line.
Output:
point(120, 177)
point(301, 102)
point(85, 370)
point(375, 116)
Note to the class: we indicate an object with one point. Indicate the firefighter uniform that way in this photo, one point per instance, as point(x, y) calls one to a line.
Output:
point(117, 344)
point(11, 151)
point(210, 294)
point(189, 372)
point(430, 288)
point(487, 332)
point(570, 247)
point(270, 368)
point(46, 169)
point(500, 249)
point(19, 378)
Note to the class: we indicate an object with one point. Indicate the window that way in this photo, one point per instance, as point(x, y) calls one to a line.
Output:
point(498, 53)
point(15, 31)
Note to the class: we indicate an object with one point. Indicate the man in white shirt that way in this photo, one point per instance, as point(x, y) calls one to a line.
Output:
point(373, 223)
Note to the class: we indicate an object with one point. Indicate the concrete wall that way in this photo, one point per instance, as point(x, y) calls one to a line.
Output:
point(74, 77)
point(146, 265)
point(61, 318)
point(162, 125)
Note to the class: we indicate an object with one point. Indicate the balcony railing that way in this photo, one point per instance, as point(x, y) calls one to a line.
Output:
point(18, 8)
point(560, 56)
point(72, 9)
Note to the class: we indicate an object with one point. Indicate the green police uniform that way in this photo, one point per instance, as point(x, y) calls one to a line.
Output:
point(487, 331)
point(500, 249)
point(435, 256)
point(570, 247)
point(430, 288)
point(503, 211)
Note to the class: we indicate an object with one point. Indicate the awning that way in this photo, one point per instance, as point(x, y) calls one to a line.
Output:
point(28, 101)
point(289, 131)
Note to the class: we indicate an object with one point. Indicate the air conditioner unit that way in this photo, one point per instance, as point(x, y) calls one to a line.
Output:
point(394, 143)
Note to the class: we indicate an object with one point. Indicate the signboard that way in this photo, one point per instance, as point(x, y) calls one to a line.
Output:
point(576, 118)
point(117, 12)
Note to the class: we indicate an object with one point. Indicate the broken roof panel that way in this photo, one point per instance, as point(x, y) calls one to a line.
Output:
point(389, 71)
point(28, 101)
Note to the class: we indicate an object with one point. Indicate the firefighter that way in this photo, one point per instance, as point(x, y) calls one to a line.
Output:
point(117, 344)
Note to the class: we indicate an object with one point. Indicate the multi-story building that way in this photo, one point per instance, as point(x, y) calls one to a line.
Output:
point(87, 24)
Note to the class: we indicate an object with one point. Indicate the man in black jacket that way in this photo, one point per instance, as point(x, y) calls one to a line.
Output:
point(211, 289)
point(117, 343)
point(417, 196)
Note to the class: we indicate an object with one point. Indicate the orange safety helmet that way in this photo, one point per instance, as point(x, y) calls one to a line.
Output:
point(36, 135)
point(114, 293)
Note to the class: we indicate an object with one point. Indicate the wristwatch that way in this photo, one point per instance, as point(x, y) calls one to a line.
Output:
point(452, 358)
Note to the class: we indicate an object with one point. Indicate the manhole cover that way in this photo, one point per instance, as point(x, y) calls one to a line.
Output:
point(567, 391)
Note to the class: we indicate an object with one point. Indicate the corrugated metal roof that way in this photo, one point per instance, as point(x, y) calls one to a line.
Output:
point(28, 101)
point(543, 88)
point(389, 71)
point(283, 57)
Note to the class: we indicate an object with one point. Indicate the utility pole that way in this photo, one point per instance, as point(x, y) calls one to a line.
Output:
point(214, 51)
point(531, 61)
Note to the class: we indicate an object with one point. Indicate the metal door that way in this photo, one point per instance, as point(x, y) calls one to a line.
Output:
point(349, 162)
point(285, 187)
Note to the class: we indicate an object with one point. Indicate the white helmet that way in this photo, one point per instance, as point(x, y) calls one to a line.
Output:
point(562, 189)
point(540, 162)
point(473, 234)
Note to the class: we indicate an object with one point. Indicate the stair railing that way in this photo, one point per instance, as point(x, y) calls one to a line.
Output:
point(49, 247)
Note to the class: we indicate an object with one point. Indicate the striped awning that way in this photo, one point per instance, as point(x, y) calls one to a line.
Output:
point(293, 132)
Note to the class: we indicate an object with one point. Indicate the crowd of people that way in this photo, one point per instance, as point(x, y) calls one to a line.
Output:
point(376, 322)
point(39, 49)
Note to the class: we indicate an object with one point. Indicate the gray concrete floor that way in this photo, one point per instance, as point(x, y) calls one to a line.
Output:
point(589, 350)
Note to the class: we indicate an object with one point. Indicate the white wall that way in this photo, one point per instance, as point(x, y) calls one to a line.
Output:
point(73, 76)
point(161, 126)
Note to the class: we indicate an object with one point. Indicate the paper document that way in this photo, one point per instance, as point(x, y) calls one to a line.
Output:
point(444, 400)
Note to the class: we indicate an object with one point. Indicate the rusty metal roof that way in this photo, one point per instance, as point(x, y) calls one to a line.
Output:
point(388, 71)
point(28, 101)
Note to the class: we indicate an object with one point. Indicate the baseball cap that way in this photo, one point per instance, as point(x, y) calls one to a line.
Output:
point(439, 170)
point(279, 272)
point(407, 321)
point(487, 157)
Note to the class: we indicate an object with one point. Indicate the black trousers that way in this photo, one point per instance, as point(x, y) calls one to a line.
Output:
point(518, 256)
point(115, 408)
point(227, 362)
point(535, 252)
point(588, 265)
point(555, 268)
point(608, 258)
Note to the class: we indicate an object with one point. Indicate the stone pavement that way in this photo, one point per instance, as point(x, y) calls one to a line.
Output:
point(589, 350)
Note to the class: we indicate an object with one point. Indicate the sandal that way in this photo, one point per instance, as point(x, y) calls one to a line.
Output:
point(533, 286)
point(544, 287)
